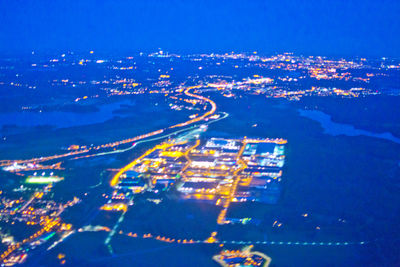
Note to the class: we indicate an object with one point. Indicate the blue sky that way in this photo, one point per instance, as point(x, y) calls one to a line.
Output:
point(323, 27)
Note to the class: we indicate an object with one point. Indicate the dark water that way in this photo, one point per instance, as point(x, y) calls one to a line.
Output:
point(61, 119)
point(333, 128)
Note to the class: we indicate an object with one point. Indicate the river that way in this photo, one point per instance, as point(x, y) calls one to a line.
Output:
point(333, 128)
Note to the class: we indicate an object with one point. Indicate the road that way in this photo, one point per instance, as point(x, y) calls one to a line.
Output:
point(81, 153)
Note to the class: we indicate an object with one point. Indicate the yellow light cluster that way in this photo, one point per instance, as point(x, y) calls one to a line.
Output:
point(172, 154)
point(114, 207)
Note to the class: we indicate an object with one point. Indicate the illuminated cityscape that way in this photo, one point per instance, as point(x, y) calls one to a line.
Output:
point(184, 164)
point(199, 133)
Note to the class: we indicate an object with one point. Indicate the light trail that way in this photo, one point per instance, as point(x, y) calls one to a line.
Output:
point(208, 113)
point(116, 177)
point(142, 141)
point(121, 142)
point(222, 215)
point(189, 241)
point(189, 161)
point(225, 115)
point(52, 223)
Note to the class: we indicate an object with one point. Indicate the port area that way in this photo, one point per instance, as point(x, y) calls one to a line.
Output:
point(214, 170)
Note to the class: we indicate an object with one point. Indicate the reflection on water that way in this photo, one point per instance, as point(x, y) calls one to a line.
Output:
point(61, 119)
point(334, 128)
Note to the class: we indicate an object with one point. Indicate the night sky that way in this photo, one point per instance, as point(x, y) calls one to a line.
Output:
point(323, 27)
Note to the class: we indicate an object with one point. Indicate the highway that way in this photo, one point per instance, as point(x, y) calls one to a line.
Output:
point(80, 153)
point(115, 179)
point(237, 178)
point(52, 223)
point(205, 115)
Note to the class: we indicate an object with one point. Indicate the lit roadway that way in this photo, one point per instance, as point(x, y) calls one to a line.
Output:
point(222, 215)
point(208, 113)
point(115, 179)
point(80, 153)
point(53, 223)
